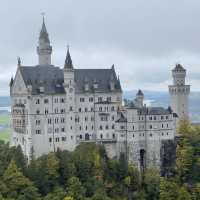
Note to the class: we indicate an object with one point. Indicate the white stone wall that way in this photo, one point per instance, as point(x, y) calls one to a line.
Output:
point(144, 132)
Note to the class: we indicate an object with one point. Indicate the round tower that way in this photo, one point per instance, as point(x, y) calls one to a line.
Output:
point(179, 93)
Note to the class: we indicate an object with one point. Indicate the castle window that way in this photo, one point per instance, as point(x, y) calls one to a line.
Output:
point(162, 117)
point(162, 126)
point(154, 117)
point(71, 127)
point(113, 135)
point(56, 110)
point(167, 117)
point(57, 139)
point(100, 109)
point(80, 128)
point(56, 130)
point(63, 139)
point(150, 135)
point(162, 134)
point(70, 108)
point(101, 128)
point(49, 121)
point(150, 118)
point(38, 131)
point(113, 126)
point(62, 120)
point(109, 99)
point(150, 126)
point(56, 120)
point(37, 122)
point(82, 100)
point(46, 101)
point(92, 118)
point(91, 99)
point(86, 128)
point(167, 133)
point(86, 109)
point(56, 100)
point(92, 127)
point(86, 119)
point(101, 136)
point(133, 127)
point(38, 101)
point(62, 110)
point(62, 100)
point(38, 112)
point(99, 99)
point(167, 125)
point(63, 129)
point(50, 139)
point(81, 137)
point(104, 118)
point(133, 135)
point(113, 118)
point(112, 108)
point(79, 109)
point(122, 127)
point(46, 111)
point(92, 109)
point(107, 127)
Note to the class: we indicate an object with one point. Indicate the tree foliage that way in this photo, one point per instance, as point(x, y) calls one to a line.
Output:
point(88, 174)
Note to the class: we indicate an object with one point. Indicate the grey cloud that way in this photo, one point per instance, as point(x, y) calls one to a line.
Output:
point(143, 38)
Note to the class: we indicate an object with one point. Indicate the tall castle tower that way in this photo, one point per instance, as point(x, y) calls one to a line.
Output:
point(179, 93)
point(44, 48)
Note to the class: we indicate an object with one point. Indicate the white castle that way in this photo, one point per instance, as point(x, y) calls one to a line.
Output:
point(59, 108)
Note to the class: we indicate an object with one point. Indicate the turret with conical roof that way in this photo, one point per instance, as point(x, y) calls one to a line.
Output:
point(68, 61)
point(44, 48)
point(179, 93)
point(139, 99)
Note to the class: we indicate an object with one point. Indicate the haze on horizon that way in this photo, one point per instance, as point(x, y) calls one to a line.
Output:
point(144, 39)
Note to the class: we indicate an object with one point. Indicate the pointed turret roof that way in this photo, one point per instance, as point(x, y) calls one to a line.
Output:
point(11, 81)
point(179, 67)
point(68, 60)
point(140, 93)
point(43, 33)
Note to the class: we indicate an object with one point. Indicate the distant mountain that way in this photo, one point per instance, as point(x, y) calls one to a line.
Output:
point(155, 98)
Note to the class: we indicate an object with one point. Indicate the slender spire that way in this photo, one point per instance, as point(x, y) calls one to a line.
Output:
point(44, 48)
point(68, 60)
point(113, 67)
point(18, 61)
point(11, 81)
point(43, 33)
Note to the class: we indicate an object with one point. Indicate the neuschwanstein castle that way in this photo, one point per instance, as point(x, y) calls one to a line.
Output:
point(61, 107)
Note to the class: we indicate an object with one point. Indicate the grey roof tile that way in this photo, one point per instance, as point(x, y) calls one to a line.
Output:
point(52, 78)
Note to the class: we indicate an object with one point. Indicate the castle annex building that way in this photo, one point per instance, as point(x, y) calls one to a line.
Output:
point(60, 107)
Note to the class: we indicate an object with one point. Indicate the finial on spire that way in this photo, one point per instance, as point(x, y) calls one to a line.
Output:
point(43, 14)
point(43, 33)
point(18, 61)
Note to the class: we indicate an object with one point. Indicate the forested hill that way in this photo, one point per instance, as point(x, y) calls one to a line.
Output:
point(88, 174)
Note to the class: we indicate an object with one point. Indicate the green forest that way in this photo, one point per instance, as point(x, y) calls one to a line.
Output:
point(88, 174)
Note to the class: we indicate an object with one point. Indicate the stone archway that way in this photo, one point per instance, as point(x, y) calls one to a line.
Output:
point(87, 136)
point(142, 158)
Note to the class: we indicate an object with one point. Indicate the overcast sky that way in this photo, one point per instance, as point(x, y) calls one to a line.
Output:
point(143, 38)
